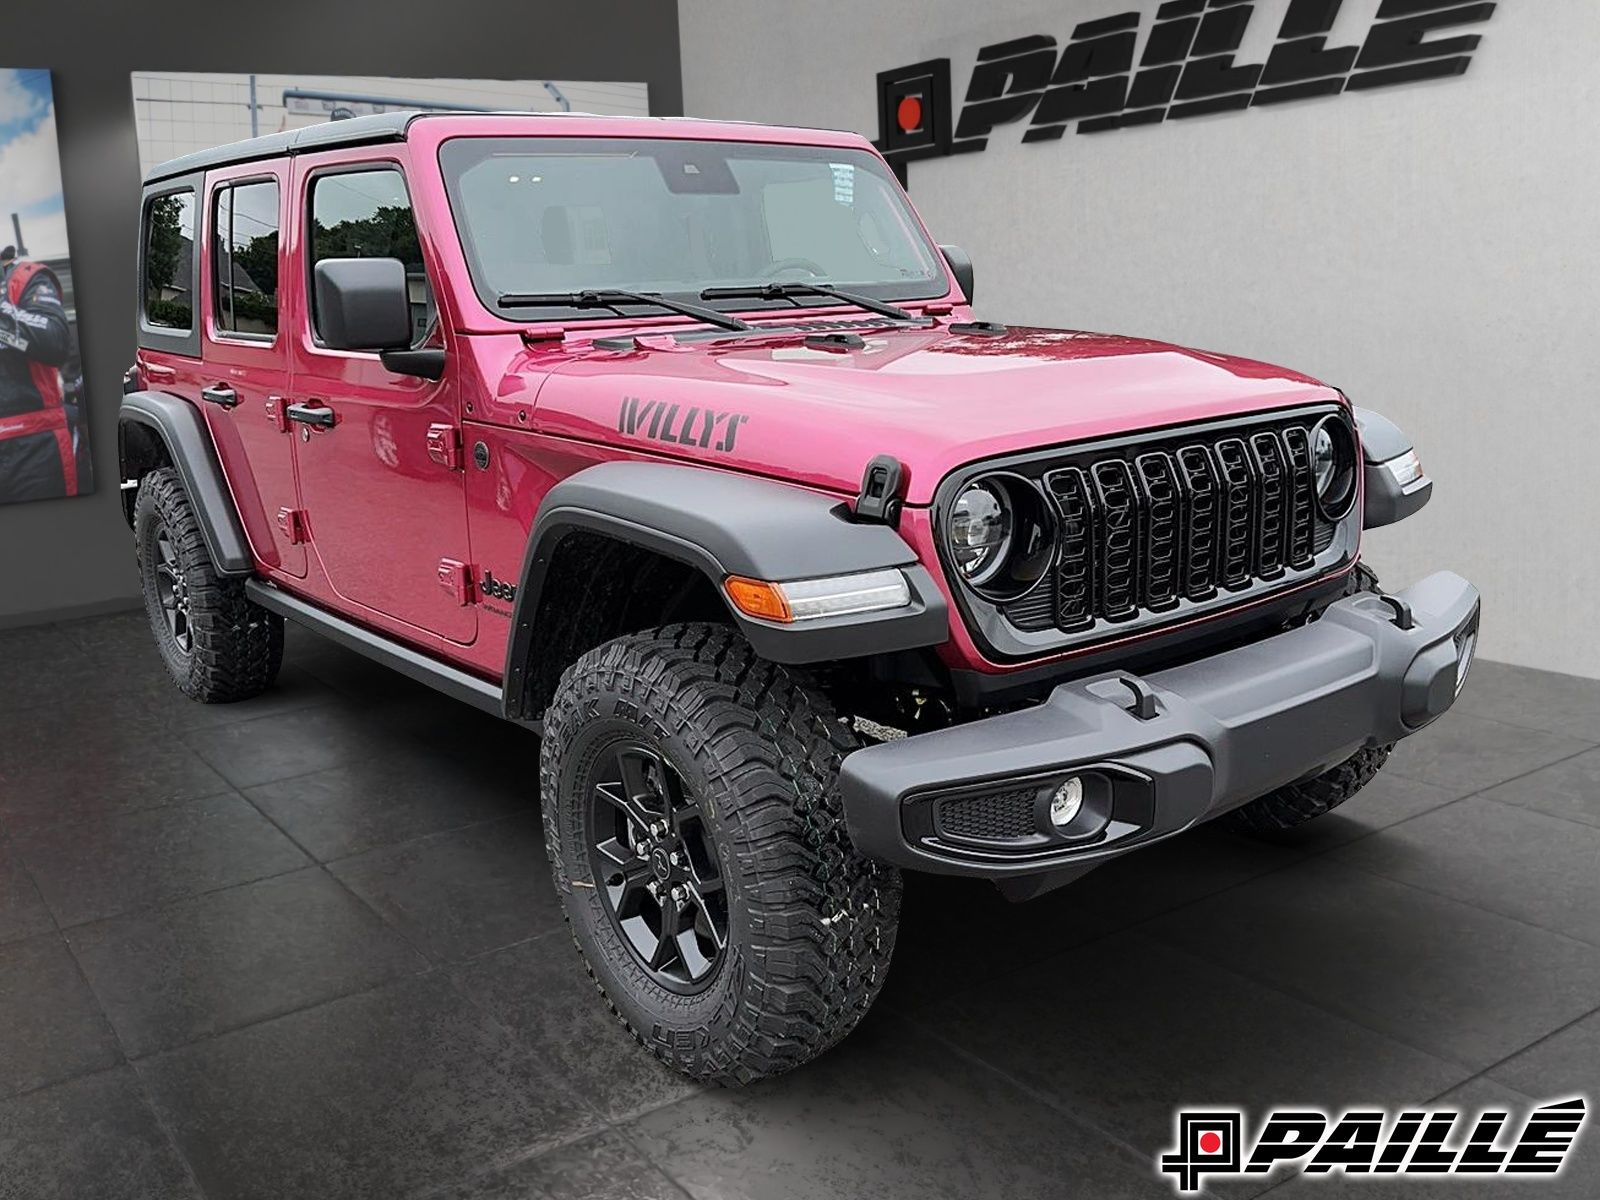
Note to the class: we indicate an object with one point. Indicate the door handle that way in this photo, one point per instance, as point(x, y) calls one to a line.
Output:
point(319, 415)
point(220, 393)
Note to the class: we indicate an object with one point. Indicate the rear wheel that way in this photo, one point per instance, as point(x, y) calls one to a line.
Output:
point(217, 645)
point(1310, 798)
point(696, 837)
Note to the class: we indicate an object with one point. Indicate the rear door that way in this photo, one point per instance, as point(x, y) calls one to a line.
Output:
point(245, 352)
point(388, 519)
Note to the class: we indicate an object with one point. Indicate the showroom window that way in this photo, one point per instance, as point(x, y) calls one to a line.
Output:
point(367, 214)
point(244, 226)
point(169, 261)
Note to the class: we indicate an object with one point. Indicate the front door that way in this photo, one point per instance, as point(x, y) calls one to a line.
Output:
point(246, 372)
point(384, 516)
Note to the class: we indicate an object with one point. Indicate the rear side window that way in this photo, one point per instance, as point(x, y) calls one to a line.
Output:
point(367, 214)
point(168, 261)
point(244, 261)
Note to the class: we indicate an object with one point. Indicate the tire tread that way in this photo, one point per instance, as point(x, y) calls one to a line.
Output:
point(822, 917)
point(238, 646)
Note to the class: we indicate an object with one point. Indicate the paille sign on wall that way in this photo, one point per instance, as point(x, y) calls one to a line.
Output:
point(1101, 80)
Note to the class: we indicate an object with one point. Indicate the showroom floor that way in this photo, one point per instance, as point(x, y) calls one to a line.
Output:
point(307, 947)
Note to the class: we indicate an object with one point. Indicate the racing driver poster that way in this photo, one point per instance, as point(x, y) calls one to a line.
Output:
point(44, 446)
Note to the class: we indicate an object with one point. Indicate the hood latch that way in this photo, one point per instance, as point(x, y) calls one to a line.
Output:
point(878, 502)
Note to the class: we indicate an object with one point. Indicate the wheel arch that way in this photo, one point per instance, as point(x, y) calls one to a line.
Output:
point(154, 430)
point(694, 527)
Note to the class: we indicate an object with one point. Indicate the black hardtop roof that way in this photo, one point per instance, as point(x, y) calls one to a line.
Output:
point(357, 131)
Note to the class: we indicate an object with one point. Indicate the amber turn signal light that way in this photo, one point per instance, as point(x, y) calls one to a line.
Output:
point(758, 598)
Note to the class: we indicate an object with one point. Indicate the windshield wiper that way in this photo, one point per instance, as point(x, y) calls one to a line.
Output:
point(788, 291)
point(613, 297)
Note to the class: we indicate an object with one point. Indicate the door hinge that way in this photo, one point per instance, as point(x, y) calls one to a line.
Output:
point(444, 446)
point(456, 579)
point(292, 521)
point(276, 414)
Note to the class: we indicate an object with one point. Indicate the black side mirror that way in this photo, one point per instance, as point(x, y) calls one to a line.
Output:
point(363, 303)
point(961, 267)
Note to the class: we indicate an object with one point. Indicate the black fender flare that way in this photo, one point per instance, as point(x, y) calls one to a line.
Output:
point(1382, 441)
point(183, 432)
point(724, 524)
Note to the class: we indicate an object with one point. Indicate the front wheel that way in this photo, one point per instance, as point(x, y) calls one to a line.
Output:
point(1310, 798)
point(695, 832)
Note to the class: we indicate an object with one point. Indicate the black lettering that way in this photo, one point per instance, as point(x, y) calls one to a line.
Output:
point(1396, 43)
point(1479, 1157)
point(1430, 1157)
point(1351, 1145)
point(1306, 58)
point(655, 418)
point(686, 435)
point(1398, 1146)
point(1172, 36)
point(1212, 71)
point(1546, 1139)
point(734, 421)
point(1091, 79)
point(713, 419)
point(666, 424)
point(1005, 84)
point(1308, 17)
point(1285, 1137)
point(637, 411)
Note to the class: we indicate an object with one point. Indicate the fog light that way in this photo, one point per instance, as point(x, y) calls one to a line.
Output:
point(1067, 803)
point(1467, 647)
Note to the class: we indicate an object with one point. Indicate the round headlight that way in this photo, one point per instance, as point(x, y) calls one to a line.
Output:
point(1333, 462)
point(980, 532)
point(1001, 536)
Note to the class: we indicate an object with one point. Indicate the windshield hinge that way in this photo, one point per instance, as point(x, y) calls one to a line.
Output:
point(878, 502)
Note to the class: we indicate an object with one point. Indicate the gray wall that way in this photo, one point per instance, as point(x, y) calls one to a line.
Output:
point(1430, 249)
point(64, 557)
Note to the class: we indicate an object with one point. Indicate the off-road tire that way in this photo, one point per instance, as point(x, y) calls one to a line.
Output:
point(811, 922)
point(236, 647)
point(1310, 798)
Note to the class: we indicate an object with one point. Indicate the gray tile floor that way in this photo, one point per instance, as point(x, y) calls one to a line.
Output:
point(306, 947)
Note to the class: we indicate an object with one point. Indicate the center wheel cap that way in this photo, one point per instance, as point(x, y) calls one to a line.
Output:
point(660, 865)
point(654, 859)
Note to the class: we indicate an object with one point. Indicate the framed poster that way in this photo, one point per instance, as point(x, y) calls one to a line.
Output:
point(44, 439)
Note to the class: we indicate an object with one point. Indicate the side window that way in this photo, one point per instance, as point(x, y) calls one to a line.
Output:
point(367, 214)
point(244, 263)
point(168, 261)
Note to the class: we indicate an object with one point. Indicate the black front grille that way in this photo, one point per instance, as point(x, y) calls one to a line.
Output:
point(997, 817)
point(1186, 519)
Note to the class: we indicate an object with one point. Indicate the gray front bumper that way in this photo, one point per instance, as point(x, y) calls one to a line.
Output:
point(1211, 735)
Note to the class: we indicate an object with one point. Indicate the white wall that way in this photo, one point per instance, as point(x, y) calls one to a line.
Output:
point(1434, 250)
point(180, 112)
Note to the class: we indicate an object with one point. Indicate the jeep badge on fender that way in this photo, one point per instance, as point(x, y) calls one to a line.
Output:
point(806, 576)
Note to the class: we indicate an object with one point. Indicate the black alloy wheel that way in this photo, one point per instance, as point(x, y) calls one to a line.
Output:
point(657, 868)
point(172, 592)
point(215, 642)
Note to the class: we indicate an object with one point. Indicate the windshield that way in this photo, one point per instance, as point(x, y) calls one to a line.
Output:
point(560, 215)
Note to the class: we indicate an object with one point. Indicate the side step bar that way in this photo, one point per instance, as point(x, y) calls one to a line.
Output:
point(452, 681)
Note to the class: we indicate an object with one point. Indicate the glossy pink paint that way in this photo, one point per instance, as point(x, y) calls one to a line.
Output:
point(545, 401)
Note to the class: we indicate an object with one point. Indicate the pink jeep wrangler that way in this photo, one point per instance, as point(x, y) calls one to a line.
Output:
point(678, 442)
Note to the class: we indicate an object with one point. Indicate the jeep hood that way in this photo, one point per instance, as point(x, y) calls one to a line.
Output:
point(934, 398)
